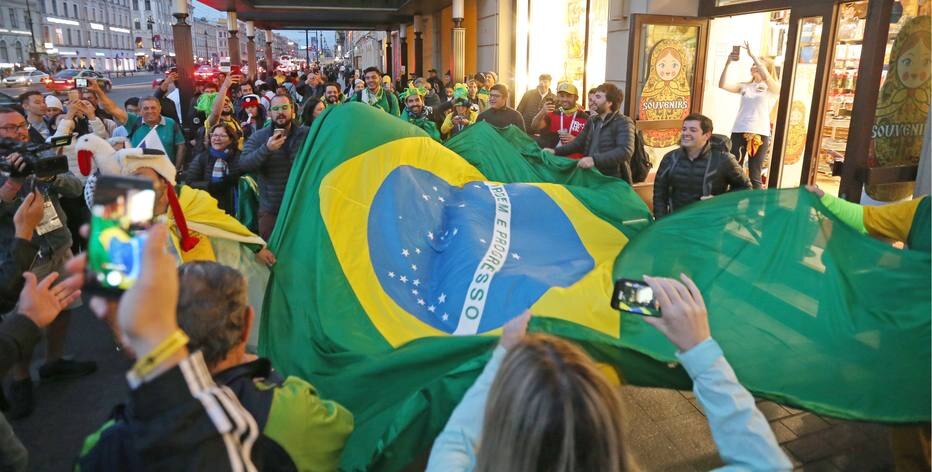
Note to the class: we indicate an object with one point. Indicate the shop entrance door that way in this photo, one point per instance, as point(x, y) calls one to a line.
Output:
point(666, 62)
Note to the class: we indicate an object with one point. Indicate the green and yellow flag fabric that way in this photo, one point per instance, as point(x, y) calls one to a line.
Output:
point(405, 258)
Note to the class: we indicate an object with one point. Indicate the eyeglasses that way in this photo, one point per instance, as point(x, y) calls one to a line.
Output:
point(280, 108)
point(495, 95)
point(18, 127)
point(219, 136)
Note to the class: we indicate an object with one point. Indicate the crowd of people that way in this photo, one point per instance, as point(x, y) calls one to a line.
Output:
point(199, 399)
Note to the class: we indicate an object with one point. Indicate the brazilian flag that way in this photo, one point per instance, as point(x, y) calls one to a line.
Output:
point(400, 259)
point(394, 249)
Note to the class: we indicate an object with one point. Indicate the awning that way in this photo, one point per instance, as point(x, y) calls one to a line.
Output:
point(328, 14)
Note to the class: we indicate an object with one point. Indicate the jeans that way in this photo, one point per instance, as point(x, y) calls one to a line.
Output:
point(739, 147)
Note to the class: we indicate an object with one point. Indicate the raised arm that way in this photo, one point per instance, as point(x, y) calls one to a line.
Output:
point(118, 113)
point(772, 83)
point(723, 80)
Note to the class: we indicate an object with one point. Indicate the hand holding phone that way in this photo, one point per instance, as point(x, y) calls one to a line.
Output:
point(80, 83)
point(74, 96)
point(685, 320)
point(735, 53)
point(123, 208)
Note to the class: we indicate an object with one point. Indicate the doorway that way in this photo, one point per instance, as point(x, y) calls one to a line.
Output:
point(766, 34)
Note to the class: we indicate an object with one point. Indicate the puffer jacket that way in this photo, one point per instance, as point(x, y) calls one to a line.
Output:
point(680, 181)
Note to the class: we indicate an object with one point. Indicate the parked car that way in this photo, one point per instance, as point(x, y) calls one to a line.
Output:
point(25, 78)
point(66, 79)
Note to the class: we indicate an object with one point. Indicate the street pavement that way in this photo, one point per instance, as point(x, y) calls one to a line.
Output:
point(139, 85)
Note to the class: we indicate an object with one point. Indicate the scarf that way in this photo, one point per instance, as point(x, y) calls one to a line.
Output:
point(754, 143)
point(372, 99)
point(221, 168)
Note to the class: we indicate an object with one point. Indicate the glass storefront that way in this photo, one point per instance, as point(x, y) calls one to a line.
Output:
point(564, 38)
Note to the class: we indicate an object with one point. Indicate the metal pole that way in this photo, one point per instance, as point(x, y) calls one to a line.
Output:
point(307, 48)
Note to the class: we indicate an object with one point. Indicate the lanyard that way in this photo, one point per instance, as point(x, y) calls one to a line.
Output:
point(567, 128)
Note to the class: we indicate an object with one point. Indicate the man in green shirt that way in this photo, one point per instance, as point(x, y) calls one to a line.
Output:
point(375, 95)
point(416, 113)
point(165, 132)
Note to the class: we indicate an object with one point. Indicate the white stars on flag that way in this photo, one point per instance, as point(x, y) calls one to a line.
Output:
point(403, 279)
point(420, 301)
point(435, 189)
point(515, 256)
point(442, 298)
point(442, 200)
point(414, 292)
point(430, 235)
point(445, 317)
point(417, 250)
point(482, 241)
point(391, 275)
point(404, 252)
point(431, 308)
point(417, 282)
point(425, 196)
point(477, 186)
point(414, 267)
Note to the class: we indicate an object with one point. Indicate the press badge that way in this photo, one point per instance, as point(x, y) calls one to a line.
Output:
point(50, 220)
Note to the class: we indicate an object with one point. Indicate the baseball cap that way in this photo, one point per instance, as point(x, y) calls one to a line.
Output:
point(567, 87)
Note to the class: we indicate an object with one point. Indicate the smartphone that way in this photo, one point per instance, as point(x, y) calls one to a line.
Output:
point(80, 83)
point(122, 211)
point(634, 296)
point(736, 51)
point(234, 69)
point(224, 67)
point(278, 131)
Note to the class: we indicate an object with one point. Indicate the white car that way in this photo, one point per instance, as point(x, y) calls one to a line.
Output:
point(24, 78)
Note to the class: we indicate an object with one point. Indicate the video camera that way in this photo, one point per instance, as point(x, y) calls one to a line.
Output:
point(41, 159)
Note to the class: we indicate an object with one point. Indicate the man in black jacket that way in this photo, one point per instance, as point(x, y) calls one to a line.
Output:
point(607, 140)
point(695, 171)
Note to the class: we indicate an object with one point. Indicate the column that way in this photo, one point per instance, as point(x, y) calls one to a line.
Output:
point(403, 51)
point(269, 59)
point(184, 59)
point(459, 42)
point(418, 48)
point(251, 51)
point(233, 41)
point(388, 53)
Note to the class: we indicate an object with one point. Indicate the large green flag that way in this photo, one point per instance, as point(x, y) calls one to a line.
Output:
point(389, 243)
point(400, 259)
point(808, 311)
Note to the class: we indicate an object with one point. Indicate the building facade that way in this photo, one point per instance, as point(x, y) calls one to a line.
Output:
point(20, 33)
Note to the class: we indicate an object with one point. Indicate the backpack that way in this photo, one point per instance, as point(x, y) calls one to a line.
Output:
point(640, 160)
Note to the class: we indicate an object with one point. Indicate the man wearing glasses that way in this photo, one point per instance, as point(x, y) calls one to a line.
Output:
point(499, 114)
point(269, 154)
point(52, 241)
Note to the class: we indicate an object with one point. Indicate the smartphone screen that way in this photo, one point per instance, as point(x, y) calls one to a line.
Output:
point(736, 50)
point(122, 209)
point(634, 296)
point(80, 83)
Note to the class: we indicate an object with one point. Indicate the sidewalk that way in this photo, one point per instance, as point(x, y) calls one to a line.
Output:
point(669, 432)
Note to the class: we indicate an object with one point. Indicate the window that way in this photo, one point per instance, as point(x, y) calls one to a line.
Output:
point(4, 54)
point(85, 12)
point(136, 23)
point(64, 8)
point(136, 5)
point(148, 5)
point(60, 38)
point(14, 23)
point(19, 52)
point(75, 9)
point(54, 7)
point(70, 41)
point(80, 39)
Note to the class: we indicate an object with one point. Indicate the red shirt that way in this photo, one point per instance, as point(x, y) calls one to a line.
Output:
point(574, 122)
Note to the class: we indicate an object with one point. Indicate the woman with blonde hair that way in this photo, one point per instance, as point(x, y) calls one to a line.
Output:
point(750, 136)
point(541, 404)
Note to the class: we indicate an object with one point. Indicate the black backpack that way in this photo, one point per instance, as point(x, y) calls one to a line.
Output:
point(640, 160)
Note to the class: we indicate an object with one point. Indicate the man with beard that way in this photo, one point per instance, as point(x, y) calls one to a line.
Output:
point(559, 123)
point(332, 95)
point(269, 154)
point(375, 94)
point(417, 114)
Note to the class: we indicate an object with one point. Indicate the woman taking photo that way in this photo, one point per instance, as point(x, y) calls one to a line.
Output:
point(541, 403)
point(212, 170)
point(750, 136)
